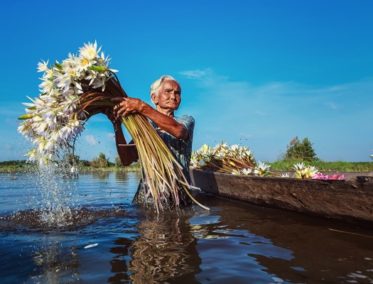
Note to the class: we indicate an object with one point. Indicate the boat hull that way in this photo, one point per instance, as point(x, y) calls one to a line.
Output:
point(344, 200)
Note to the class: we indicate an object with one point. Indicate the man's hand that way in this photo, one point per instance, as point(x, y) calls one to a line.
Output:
point(128, 106)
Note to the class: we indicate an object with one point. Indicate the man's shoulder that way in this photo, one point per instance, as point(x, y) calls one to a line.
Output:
point(188, 122)
point(186, 119)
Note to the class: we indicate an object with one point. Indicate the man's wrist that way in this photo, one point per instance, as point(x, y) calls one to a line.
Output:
point(142, 107)
point(117, 126)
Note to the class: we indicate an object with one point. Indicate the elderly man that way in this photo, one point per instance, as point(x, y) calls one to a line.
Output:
point(176, 132)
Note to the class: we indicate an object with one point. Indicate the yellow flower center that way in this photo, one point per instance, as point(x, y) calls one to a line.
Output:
point(84, 61)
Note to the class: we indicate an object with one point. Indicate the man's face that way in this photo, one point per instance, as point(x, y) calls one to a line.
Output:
point(169, 95)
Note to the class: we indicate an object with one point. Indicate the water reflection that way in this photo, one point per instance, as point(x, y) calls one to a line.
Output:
point(297, 248)
point(229, 253)
point(55, 264)
point(101, 175)
point(165, 249)
point(119, 263)
point(121, 176)
point(124, 176)
point(233, 243)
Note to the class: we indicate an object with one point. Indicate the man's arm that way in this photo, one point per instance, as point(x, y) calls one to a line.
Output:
point(167, 123)
point(127, 152)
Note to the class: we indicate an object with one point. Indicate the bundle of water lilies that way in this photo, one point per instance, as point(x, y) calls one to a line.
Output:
point(239, 160)
point(234, 159)
point(303, 171)
point(75, 89)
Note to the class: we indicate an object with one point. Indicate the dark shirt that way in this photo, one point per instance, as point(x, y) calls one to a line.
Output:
point(181, 149)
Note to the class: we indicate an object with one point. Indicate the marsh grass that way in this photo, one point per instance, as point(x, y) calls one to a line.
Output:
point(324, 166)
point(341, 166)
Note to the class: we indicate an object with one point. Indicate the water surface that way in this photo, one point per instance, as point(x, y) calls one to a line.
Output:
point(108, 240)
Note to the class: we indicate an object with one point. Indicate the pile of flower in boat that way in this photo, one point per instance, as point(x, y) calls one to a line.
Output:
point(234, 159)
point(303, 171)
point(239, 160)
point(75, 89)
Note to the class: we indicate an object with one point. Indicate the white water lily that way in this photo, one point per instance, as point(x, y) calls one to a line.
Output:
point(299, 166)
point(43, 66)
point(233, 159)
point(302, 171)
point(50, 120)
point(41, 127)
point(46, 86)
point(246, 171)
point(236, 172)
point(234, 147)
point(262, 169)
point(89, 51)
point(311, 171)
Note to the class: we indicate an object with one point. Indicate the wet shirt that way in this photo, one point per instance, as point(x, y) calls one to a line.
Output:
point(181, 149)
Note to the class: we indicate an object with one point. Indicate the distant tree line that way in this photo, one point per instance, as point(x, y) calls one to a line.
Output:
point(101, 161)
point(296, 150)
point(301, 150)
point(13, 163)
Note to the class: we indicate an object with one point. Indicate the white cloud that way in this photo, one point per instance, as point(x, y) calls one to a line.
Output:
point(194, 74)
point(91, 140)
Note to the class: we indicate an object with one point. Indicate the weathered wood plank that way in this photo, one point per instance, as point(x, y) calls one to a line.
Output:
point(345, 200)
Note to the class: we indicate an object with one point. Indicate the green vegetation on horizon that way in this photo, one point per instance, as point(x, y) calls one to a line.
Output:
point(83, 165)
point(323, 166)
point(281, 165)
point(298, 151)
point(301, 151)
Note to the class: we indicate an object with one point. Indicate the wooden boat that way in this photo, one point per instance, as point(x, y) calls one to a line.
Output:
point(350, 200)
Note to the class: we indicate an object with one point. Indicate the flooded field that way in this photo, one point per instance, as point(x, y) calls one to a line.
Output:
point(98, 236)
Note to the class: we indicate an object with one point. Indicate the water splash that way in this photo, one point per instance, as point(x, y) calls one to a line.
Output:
point(57, 188)
point(35, 220)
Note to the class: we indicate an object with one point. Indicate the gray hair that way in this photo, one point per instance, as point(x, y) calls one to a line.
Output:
point(158, 83)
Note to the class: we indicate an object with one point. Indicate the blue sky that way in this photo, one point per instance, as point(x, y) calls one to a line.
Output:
point(256, 73)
